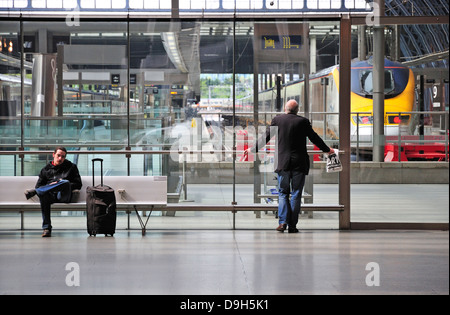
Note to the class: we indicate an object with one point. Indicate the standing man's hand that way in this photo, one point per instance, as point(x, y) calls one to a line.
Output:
point(331, 151)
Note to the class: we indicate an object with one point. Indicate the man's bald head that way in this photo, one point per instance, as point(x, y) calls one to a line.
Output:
point(291, 107)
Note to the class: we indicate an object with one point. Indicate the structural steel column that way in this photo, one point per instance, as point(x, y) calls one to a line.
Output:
point(344, 120)
point(175, 9)
point(257, 162)
point(362, 47)
point(59, 78)
point(378, 88)
point(22, 101)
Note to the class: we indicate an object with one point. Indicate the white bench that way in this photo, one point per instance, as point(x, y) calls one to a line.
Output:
point(138, 193)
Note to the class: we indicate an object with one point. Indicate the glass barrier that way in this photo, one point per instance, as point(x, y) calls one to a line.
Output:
point(411, 183)
point(10, 96)
point(184, 99)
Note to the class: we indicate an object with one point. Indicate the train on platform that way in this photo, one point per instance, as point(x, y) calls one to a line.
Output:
point(324, 99)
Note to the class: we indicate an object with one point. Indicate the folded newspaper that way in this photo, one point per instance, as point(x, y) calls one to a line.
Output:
point(333, 163)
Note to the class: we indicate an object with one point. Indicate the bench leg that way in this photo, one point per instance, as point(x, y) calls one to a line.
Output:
point(22, 225)
point(141, 222)
point(128, 219)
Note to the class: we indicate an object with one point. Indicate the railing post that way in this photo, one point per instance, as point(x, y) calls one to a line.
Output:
point(399, 140)
point(357, 137)
point(344, 120)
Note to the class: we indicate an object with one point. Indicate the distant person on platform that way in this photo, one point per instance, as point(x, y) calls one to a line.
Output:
point(292, 161)
point(55, 184)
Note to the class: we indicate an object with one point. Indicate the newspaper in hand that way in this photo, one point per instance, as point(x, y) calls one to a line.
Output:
point(333, 162)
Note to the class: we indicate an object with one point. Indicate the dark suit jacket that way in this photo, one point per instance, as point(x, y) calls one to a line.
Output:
point(66, 170)
point(291, 131)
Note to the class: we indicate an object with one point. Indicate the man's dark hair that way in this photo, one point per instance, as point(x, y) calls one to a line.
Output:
point(60, 148)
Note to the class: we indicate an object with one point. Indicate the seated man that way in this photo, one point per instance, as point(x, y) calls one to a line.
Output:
point(55, 184)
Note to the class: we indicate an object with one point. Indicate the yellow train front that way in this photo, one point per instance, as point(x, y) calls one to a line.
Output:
point(398, 95)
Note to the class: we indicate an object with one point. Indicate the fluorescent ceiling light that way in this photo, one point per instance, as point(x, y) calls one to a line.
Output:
point(170, 42)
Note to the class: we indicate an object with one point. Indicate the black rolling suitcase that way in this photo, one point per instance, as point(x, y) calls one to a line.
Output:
point(100, 206)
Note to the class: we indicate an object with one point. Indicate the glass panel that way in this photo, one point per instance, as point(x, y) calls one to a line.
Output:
point(53, 4)
point(20, 3)
point(10, 95)
point(38, 3)
point(87, 4)
point(155, 102)
point(198, 5)
point(411, 184)
point(70, 4)
point(174, 68)
point(119, 4)
point(76, 88)
point(281, 55)
point(212, 171)
point(103, 4)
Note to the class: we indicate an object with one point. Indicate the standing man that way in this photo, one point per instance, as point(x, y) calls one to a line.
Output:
point(292, 161)
point(55, 184)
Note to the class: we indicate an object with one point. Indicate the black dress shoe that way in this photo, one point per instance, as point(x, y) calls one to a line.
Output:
point(30, 193)
point(281, 228)
point(292, 230)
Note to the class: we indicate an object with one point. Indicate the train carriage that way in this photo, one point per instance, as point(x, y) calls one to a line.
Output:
point(324, 100)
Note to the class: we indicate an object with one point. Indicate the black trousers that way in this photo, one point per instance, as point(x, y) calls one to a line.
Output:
point(49, 194)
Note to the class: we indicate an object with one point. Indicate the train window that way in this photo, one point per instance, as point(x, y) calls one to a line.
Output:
point(367, 82)
point(388, 81)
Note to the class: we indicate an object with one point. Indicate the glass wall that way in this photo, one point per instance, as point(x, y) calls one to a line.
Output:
point(77, 91)
point(283, 67)
point(197, 105)
point(184, 94)
point(185, 98)
point(10, 96)
point(411, 184)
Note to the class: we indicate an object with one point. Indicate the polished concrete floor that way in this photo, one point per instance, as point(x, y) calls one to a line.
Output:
point(225, 262)
point(198, 253)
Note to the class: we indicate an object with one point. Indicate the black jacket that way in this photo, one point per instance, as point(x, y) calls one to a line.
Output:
point(67, 170)
point(292, 131)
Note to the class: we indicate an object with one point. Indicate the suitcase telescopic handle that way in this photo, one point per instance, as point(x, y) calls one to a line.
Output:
point(101, 170)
